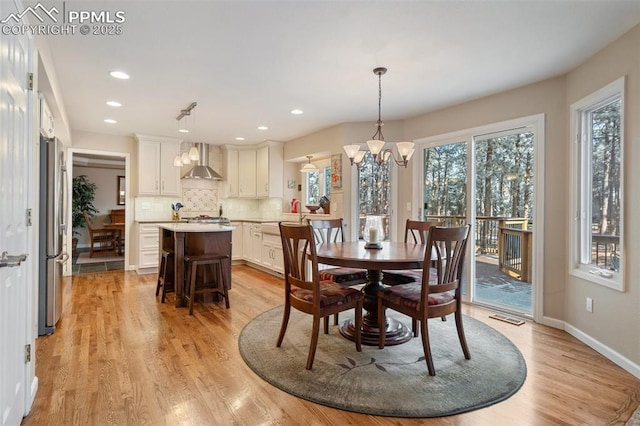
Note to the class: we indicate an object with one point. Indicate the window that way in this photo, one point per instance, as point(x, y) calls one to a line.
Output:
point(318, 184)
point(374, 192)
point(597, 234)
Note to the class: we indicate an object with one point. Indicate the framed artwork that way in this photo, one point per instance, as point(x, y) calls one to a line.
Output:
point(336, 171)
point(120, 191)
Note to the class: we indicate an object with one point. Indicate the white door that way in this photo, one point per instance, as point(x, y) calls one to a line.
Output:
point(15, 193)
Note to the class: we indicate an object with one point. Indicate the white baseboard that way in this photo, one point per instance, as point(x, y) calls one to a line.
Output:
point(612, 355)
point(552, 322)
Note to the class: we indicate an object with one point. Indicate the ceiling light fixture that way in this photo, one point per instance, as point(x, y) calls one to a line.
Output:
point(184, 113)
point(120, 75)
point(239, 138)
point(376, 143)
point(110, 121)
point(309, 167)
point(193, 154)
point(114, 104)
point(297, 111)
point(263, 128)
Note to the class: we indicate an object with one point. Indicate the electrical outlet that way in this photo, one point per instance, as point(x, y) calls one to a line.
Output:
point(589, 304)
point(409, 206)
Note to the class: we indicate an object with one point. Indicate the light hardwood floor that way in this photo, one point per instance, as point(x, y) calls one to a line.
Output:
point(121, 357)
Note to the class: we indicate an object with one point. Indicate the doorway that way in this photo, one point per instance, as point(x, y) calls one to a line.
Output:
point(489, 177)
point(109, 172)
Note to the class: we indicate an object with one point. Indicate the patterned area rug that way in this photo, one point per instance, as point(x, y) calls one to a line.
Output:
point(389, 382)
point(634, 420)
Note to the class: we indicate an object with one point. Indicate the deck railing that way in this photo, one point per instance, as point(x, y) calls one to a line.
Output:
point(511, 239)
point(508, 238)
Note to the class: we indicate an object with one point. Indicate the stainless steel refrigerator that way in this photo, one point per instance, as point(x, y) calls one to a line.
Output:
point(53, 194)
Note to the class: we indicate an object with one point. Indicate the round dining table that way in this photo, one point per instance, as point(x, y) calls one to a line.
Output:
point(392, 256)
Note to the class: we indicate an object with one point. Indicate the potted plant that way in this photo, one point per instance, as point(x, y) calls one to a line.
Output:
point(84, 192)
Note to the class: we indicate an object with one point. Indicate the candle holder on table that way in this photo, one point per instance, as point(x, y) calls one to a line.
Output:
point(373, 233)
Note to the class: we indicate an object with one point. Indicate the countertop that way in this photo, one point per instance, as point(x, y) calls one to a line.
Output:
point(196, 227)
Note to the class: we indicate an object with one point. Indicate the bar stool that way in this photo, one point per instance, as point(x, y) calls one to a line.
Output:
point(216, 283)
point(165, 274)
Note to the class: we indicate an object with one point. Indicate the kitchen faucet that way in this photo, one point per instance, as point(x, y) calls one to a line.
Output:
point(299, 211)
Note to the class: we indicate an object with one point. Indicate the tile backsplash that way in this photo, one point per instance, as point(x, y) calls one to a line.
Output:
point(199, 201)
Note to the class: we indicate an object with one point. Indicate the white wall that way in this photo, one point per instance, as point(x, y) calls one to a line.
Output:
point(615, 321)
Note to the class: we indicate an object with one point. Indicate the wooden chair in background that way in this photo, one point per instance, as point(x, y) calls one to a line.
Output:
point(438, 294)
point(416, 232)
point(104, 238)
point(312, 295)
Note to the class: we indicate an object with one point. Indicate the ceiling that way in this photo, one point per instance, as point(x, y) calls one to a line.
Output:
point(250, 63)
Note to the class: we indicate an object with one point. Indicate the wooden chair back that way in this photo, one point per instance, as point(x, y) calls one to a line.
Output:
point(416, 231)
point(299, 253)
point(327, 230)
point(446, 248)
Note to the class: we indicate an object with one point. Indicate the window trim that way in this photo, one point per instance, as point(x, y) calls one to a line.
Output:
point(589, 103)
point(322, 166)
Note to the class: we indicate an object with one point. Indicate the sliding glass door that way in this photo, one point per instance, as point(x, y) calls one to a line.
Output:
point(504, 219)
point(491, 170)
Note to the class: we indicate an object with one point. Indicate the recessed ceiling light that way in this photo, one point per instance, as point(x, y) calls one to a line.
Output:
point(114, 104)
point(263, 128)
point(239, 138)
point(297, 111)
point(119, 74)
point(183, 130)
point(110, 121)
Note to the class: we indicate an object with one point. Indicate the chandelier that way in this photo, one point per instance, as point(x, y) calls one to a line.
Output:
point(376, 144)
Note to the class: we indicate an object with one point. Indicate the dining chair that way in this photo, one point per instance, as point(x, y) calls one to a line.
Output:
point(416, 232)
point(105, 238)
point(332, 231)
point(306, 292)
point(438, 294)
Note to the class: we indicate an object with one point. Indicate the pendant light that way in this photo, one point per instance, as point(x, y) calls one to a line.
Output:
point(309, 167)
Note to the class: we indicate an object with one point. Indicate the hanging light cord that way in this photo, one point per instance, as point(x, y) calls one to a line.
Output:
point(379, 124)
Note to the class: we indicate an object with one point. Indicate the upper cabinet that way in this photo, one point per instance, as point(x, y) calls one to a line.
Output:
point(247, 174)
point(156, 173)
point(254, 172)
point(231, 185)
point(269, 165)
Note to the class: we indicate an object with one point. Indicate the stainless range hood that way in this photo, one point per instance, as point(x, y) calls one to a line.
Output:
point(202, 170)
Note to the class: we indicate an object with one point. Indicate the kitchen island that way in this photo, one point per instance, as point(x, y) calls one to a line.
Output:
point(191, 239)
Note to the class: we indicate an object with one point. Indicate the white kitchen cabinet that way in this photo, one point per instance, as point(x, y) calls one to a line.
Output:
point(272, 256)
point(269, 171)
point(148, 248)
point(231, 174)
point(236, 241)
point(246, 240)
point(247, 174)
point(256, 244)
point(252, 242)
point(156, 173)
